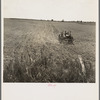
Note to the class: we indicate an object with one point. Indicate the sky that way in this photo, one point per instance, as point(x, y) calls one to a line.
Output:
point(69, 10)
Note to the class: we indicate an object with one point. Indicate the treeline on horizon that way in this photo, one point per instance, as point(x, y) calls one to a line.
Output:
point(78, 21)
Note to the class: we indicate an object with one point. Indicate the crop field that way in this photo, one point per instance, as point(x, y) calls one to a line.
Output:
point(33, 53)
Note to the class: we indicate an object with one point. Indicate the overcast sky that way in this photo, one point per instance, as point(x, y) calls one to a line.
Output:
point(85, 10)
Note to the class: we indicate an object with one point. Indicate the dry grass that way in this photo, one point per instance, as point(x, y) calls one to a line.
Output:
point(32, 52)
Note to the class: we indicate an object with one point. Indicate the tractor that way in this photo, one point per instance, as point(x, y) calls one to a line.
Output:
point(66, 37)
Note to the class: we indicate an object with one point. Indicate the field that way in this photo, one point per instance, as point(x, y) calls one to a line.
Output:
point(32, 52)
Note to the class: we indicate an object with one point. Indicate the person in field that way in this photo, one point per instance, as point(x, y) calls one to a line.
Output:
point(68, 34)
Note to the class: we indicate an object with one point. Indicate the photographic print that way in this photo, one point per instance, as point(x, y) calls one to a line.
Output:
point(49, 41)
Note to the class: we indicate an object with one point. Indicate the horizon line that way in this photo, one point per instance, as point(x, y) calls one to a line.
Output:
point(48, 19)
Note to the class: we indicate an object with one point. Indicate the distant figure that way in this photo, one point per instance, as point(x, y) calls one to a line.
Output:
point(67, 34)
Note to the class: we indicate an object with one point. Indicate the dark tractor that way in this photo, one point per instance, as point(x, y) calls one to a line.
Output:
point(66, 38)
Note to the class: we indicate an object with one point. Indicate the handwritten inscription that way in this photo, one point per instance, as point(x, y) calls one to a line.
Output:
point(52, 85)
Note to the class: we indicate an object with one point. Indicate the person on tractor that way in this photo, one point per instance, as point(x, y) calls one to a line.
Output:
point(68, 34)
